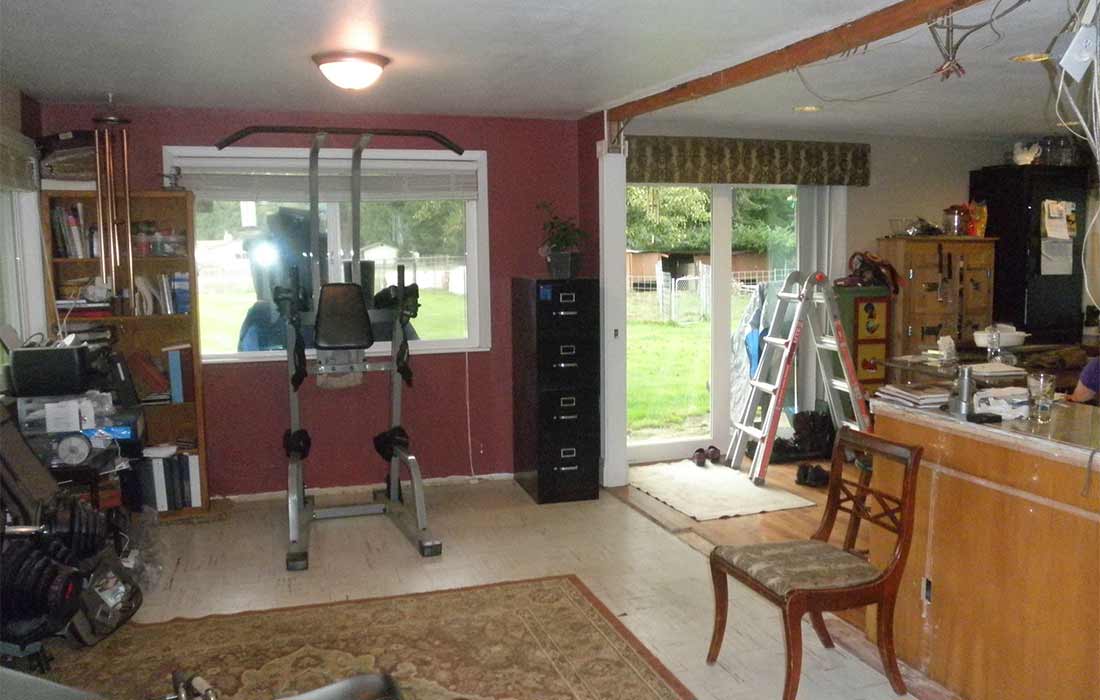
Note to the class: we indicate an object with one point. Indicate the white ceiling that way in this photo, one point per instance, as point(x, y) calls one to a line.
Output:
point(551, 58)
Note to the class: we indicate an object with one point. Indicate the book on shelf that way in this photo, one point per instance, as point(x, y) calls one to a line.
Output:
point(81, 304)
point(72, 237)
point(148, 377)
point(172, 482)
point(180, 287)
point(181, 372)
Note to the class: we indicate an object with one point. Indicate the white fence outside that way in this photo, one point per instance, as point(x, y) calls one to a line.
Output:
point(687, 299)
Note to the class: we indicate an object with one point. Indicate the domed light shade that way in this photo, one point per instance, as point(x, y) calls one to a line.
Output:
point(351, 70)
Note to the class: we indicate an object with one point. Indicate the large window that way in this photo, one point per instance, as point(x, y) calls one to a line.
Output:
point(420, 209)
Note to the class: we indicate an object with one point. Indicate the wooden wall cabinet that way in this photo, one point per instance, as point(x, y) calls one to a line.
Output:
point(136, 334)
point(948, 289)
point(866, 315)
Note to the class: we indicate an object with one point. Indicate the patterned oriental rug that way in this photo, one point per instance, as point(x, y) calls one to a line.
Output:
point(543, 639)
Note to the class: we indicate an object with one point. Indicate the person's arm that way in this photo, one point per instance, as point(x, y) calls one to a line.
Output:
point(1082, 394)
point(1088, 384)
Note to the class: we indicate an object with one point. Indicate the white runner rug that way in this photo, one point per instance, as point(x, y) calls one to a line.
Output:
point(710, 492)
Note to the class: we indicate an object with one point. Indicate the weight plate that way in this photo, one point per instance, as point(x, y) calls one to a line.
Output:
point(21, 586)
point(13, 560)
point(35, 596)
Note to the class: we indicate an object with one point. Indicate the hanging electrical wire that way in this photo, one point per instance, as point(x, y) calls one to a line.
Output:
point(948, 47)
point(1087, 120)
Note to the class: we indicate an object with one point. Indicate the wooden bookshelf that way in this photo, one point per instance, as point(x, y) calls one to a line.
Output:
point(146, 333)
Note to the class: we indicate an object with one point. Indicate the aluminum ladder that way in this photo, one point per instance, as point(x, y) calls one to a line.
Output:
point(843, 392)
point(773, 372)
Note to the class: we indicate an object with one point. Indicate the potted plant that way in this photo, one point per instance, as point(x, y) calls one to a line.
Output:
point(561, 245)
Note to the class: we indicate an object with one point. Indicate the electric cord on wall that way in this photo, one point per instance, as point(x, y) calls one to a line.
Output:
point(469, 429)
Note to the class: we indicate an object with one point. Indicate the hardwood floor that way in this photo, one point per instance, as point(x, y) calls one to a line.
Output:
point(776, 526)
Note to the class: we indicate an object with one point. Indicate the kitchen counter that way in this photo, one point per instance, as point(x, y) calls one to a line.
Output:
point(1000, 598)
point(1070, 437)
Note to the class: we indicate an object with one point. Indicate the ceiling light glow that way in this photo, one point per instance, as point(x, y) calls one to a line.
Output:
point(351, 70)
point(808, 108)
point(1037, 57)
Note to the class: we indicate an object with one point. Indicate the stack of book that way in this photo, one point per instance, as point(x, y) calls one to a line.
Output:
point(170, 479)
point(925, 395)
point(82, 308)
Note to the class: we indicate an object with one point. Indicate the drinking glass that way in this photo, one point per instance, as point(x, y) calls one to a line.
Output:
point(1040, 389)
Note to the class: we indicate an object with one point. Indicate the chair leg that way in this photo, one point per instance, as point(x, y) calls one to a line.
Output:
point(792, 633)
point(822, 631)
point(721, 608)
point(886, 645)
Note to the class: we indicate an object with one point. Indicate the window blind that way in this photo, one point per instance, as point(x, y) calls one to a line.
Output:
point(287, 179)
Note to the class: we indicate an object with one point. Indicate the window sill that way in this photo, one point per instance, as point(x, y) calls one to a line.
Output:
point(378, 350)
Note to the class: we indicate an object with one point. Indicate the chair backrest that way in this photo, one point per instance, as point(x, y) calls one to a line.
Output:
point(342, 319)
point(864, 503)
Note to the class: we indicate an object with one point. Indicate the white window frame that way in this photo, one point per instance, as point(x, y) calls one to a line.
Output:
point(478, 304)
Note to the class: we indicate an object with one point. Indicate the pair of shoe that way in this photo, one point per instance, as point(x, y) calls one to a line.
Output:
point(811, 475)
point(700, 456)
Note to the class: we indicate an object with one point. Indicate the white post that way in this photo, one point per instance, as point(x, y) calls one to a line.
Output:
point(612, 173)
point(719, 291)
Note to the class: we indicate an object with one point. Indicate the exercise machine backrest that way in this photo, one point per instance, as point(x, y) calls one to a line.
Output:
point(342, 319)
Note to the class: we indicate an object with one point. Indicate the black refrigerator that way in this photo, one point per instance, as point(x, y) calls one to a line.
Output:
point(1037, 287)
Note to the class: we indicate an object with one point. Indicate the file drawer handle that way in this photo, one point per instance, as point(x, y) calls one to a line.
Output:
point(571, 416)
point(565, 365)
point(567, 298)
point(568, 452)
point(567, 350)
point(564, 313)
point(570, 468)
point(568, 401)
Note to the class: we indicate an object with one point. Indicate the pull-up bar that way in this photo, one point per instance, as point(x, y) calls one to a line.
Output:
point(339, 130)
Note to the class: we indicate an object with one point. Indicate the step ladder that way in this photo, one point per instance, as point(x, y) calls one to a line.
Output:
point(768, 387)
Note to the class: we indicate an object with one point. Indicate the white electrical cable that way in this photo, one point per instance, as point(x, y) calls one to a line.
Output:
point(1088, 128)
point(469, 430)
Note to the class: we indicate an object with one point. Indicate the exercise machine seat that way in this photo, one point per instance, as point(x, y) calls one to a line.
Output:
point(342, 319)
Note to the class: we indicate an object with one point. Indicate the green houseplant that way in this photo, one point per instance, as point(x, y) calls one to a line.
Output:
point(561, 247)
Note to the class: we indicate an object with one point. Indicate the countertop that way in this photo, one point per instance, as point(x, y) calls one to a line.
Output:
point(1072, 436)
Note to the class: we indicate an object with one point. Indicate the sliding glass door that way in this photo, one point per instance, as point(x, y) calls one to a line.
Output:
point(695, 256)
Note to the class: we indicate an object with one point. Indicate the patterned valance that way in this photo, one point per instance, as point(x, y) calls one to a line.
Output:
point(691, 160)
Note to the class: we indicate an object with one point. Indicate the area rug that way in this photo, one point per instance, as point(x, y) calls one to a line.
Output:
point(710, 492)
point(542, 639)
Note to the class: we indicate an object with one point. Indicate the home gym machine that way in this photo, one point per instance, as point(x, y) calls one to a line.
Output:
point(343, 328)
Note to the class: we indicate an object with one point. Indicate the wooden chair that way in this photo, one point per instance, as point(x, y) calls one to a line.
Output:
point(813, 576)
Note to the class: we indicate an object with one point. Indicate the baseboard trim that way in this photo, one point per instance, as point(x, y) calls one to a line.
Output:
point(366, 488)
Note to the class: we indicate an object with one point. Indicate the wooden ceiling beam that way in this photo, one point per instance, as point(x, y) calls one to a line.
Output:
point(877, 25)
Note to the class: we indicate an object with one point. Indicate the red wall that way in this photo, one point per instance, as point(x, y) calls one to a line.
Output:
point(246, 404)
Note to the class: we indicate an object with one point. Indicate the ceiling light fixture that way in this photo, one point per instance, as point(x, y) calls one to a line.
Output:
point(351, 70)
point(808, 108)
point(1037, 57)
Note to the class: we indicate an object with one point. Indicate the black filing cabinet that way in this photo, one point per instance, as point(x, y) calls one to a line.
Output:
point(556, 387)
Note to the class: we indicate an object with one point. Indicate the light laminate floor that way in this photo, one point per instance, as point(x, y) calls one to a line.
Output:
point(492, 531)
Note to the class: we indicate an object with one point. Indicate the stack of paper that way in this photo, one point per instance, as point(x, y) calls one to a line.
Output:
point(925, 395)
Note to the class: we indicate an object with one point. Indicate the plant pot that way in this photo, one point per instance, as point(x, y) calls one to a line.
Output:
point(563, 265)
